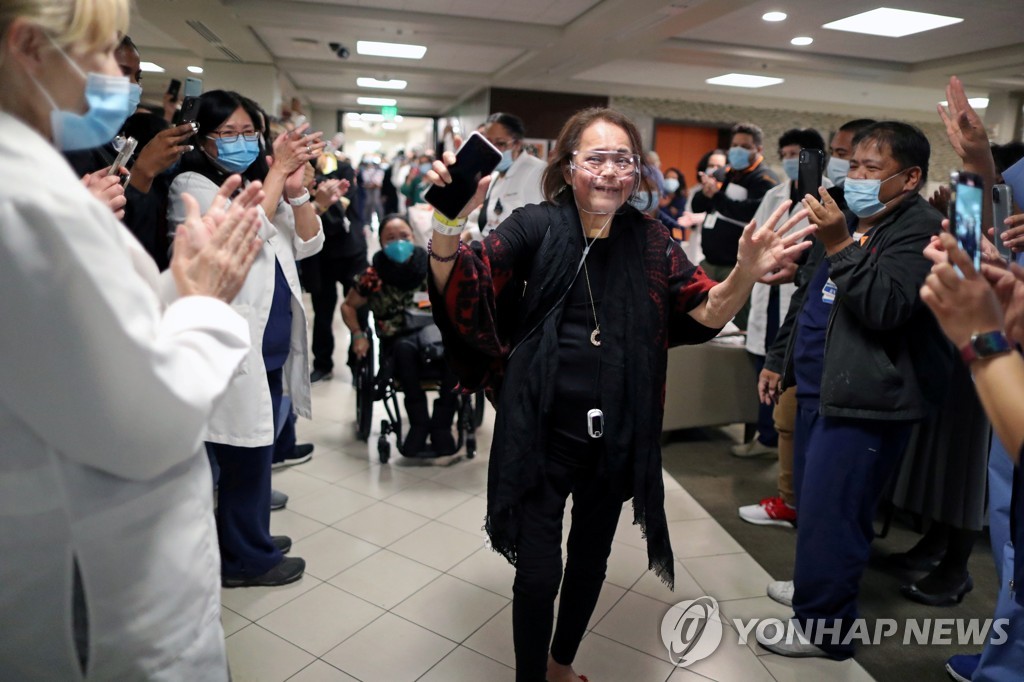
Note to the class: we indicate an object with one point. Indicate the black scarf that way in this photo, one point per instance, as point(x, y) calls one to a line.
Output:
point(633, 373)
point(407, 276)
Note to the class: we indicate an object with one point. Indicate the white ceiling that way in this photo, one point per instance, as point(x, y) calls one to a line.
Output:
point(646, 48)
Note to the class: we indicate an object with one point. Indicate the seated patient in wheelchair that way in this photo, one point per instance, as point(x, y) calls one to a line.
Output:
point(395, 288)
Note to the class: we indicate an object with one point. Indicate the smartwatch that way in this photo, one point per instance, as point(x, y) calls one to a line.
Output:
point(985, 345)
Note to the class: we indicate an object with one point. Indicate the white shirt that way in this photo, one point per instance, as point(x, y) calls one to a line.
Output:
point(518, 186)
point(104, 398)
point(757, 320)
point(245, 416)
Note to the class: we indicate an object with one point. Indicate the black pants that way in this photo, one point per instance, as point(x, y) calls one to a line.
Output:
point(325, 300)
point(595, 514)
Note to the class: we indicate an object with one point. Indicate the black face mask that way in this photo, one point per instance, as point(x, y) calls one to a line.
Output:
point(407, 276)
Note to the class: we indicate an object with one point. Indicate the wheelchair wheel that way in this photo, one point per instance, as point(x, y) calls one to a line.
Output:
point(364, 396)
point(383, 449)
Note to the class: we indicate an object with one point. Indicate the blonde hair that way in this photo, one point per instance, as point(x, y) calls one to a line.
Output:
point(84, 23)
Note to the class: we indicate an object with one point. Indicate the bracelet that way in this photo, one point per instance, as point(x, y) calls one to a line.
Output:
point(299, 200)
point(449, 228)
point(443, 259)
point(358, 335)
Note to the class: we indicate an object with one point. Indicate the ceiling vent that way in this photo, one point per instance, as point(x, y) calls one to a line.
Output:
point(205, 31)
point(229, 54)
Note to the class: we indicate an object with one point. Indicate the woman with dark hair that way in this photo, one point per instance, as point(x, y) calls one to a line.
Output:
point(395, 283)
point(566, 313)
point(242, 427)
point(672, 204)
point(516, 180)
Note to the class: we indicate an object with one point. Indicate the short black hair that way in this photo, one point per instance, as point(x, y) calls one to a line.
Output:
point(857, 125)
point(905, 142)
point(747, 128)
point(805, 138)
point(215, 107)
point(514, 124)
point(127, 43)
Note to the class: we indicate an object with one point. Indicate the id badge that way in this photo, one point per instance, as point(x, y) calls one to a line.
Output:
point(710, 220)
point(829, 291)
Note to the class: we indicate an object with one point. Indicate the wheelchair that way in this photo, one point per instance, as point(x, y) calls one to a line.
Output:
point(373, 385)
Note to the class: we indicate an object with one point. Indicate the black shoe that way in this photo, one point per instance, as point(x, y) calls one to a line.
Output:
point(288, 571)
point(282, 542)
point(320, 375)
point(949, 597)
point(302, 453)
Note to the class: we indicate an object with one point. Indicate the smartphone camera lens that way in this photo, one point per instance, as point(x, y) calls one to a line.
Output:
point(340, 50)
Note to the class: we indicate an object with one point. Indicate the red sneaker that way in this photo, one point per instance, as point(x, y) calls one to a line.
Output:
point(771, 511)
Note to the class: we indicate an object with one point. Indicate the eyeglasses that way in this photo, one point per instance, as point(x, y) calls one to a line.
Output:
point(230, 136)
point(596, 161)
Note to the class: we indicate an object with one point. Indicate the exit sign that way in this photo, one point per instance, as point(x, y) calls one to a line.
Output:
point(389, 113)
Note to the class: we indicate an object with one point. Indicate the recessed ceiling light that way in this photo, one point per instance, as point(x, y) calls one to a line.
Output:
point(352, 116)
point(388, 125)
point(802, 41)
point(975, 102)
point(376, 101)
point(151, 67)
point(195, 69)
point(393, 84)
point(397, 50)
point(892, 23)
point(371, 117)
point(774, 16)
point(744, 80)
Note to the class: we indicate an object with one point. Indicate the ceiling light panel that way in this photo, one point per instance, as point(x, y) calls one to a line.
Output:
point(397, 50)
point(393, 84)
point(892, 23)
point(774, 16)
point(150, 67)
point(376, 101)
point(744, 80)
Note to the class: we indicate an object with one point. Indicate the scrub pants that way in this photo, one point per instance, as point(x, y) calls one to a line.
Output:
point(1002, 662)
point(841, 467)
point(243, 502)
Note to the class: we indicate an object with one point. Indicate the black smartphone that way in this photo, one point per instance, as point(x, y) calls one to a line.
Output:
point(189, 110)
point(1002, 208)
point(812, 164)
point(174, 88)
point(476, 158)
point(967, 191)
point(838, 196)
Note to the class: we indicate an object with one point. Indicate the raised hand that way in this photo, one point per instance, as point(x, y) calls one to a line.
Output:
point(765, 250)
point(439, 175)
point(160, 153)
point(108, 189)
point(964, 127)
point(831, 222)
point(202, 230)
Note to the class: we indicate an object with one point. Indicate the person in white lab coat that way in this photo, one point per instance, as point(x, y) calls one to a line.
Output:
point(108, 560)
point(517, 179)
point(242, 427)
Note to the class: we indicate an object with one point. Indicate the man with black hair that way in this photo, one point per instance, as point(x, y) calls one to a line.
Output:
point(731, 201)
point(841, 149)
point(868, 360)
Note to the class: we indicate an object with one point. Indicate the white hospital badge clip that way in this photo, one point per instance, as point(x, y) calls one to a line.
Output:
point(829, 291)
point(710, 220)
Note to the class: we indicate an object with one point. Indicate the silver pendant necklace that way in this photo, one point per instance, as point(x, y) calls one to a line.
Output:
point(595, 336)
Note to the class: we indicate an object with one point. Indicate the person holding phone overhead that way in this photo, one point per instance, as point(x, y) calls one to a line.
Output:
point(576, 363)
point(108, 374)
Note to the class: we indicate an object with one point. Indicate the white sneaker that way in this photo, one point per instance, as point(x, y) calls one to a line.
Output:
point(781, 591)
point(771, 511)
point(754, 448)
point(798, 646)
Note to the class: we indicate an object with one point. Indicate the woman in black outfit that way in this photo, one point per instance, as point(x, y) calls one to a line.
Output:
point(565, 314)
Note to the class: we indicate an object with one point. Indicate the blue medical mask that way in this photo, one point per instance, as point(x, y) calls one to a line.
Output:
point(505, 163)
point(425, 168)
point(134, 97)
point(237, 156)
point(739, 158)
point(671, 185)
point(791, 167)
point(399, 250)
point(862, 195)
point(837, 170)
point(109, 107)
point(644, 201)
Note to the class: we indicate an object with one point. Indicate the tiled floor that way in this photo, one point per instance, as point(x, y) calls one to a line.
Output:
point(401, 586)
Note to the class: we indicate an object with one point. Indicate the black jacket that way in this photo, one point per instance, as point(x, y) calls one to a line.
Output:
point(885, 356)
point(719, 243)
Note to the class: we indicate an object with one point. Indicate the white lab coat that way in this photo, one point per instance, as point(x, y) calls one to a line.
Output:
point(104, 398)
point(519, 186)
point(757, 320)
point(245, 415)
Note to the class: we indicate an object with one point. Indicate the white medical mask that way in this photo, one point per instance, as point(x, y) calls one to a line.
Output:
point(671, 185)
point(837, 170)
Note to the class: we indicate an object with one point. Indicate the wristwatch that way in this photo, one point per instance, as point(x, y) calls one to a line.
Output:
point(985, 345)
point(299, 200)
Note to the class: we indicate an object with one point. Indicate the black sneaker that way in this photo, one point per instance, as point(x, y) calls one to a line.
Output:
point(282, 542)
point(278, 500)
point(302, 453)
point(320, 375)
point(288, 571)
